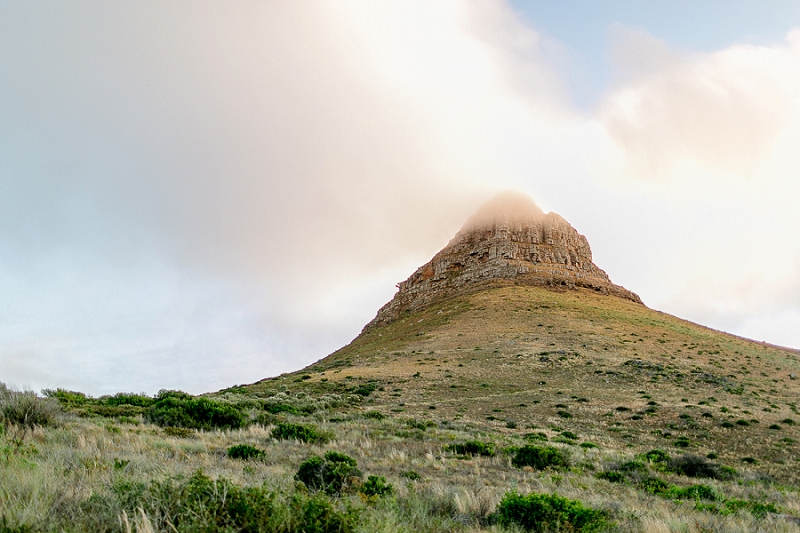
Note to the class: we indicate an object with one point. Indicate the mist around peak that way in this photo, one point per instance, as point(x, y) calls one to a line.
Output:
point(507, 208)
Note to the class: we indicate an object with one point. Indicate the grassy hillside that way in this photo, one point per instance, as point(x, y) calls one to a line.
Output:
point(511, 409)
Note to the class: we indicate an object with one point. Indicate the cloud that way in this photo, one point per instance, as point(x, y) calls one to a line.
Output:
point(722, 110)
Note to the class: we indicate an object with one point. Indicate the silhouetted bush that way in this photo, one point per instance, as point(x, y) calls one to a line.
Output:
point(549, 513)
point(695, 466)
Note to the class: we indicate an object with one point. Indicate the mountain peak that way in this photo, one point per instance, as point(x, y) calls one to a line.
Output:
point(509, 240)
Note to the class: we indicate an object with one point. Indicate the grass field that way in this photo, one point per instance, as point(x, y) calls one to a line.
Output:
point(458, 408)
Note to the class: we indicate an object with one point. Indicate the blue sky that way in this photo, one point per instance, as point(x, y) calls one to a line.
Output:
point(585, 29)
point(194, 195)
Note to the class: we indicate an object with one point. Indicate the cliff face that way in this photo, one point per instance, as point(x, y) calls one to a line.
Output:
point(509, 240)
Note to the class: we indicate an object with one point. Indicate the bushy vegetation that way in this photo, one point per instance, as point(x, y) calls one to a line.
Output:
point(473, 447)
point(200, 504)
point(245, 452)
point(545, 513)
point(333, 474)
point(178, 409)
point(301, 432)
point(376, 486)
point(540, 457)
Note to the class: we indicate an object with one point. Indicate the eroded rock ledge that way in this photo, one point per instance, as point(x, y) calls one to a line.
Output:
point(509, 240)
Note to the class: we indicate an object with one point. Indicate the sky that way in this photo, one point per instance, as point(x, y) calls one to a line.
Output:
point(200, 194)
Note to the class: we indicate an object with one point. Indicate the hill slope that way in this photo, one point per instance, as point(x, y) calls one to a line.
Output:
point(512, 357)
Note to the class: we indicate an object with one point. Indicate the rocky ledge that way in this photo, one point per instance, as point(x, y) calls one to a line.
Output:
point(508, 241)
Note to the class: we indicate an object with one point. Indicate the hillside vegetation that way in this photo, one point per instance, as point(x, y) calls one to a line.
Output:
point(510, 409)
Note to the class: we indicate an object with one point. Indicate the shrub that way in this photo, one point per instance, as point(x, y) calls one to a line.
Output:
point(694, 466)
point(126, 398)
point(613, 477)
point(473, 447)
point(549, 512)
point(656, 456)
point(757, 509)
point(569, 435)
point(749, 460)
point(564, 414)
point(245, 452)
point(375, 415)
point(332, 474)
point(693, 492)
point(376, 486)
point(540, 457)
point(654, 485)
point(301, 432)
point(200, 504)
point(588, 445)
point(21, 411)
point(411, 475)
point(178, 409)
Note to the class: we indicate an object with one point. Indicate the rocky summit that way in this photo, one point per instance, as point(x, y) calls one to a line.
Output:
point(510, 240)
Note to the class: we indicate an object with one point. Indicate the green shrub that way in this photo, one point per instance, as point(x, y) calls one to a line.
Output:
point(301, 432)
point(656, 456)
point(126, 398)
point(178, 409)
point(473, 447)
point(277, 408)
point(755, 508)
point(540, 457)
point(376, 486)
point(654, 485)
point(375, 415)
point(411, 475)
point(588, 445)
point(549, 513)
point(245, 452)
point(332, 474)
point(5, 527)
point(569, 435)
point(693, 492)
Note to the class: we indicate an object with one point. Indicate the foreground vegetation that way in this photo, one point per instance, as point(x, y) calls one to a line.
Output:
point(346, 469)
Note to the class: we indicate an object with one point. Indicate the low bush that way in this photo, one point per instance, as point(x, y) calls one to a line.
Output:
point(695, 466)
point(755, 508)
point(535, 436)
point(376, 486)
point(333, 474)
point(245, 452)
point(473, 447)
point(549, 513)
point(178, 409)
point(692, 492)
point(540, 457)
point(411, 475)
point(656, 456)
point(301, 432)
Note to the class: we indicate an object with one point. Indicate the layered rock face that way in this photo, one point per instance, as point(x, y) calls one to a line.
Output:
point(509, 240)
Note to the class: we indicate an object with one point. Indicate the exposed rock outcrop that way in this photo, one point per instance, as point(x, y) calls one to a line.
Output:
point(509, 240)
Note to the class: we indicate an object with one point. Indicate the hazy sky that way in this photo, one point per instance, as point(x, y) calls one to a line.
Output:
point(199, 194)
